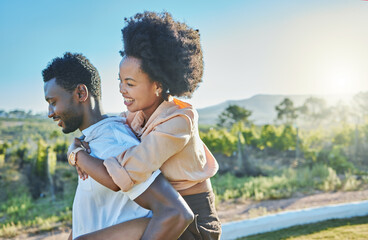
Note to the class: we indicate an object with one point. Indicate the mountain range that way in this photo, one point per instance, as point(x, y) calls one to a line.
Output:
point(263, 106)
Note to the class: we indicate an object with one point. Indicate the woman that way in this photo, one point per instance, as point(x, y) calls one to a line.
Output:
point(163, 58)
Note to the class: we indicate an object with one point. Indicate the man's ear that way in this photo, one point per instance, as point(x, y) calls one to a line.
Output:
point(82, 92)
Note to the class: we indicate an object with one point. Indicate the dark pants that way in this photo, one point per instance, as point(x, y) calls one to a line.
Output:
point(206, 224)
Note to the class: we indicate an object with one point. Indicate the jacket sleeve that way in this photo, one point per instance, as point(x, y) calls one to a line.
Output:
point(136, 164)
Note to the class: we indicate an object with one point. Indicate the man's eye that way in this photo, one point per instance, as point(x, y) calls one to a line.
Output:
point(53, 103)
point(130, 85)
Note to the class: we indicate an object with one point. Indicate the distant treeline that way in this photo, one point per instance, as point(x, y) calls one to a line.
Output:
point(21, 114)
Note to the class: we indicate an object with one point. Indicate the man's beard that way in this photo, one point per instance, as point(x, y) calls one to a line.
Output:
point(71, 122)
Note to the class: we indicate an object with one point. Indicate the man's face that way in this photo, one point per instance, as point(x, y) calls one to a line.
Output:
point(63, 107)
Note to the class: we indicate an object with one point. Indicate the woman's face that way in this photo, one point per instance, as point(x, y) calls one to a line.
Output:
point(138, 90)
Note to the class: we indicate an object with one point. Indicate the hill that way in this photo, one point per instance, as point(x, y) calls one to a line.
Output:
point(262, 106)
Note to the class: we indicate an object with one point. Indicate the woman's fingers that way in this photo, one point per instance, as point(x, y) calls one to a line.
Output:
point(86, 146)
point(79, 171)
point(82, 174)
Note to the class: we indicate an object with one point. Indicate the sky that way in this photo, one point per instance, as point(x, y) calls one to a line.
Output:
point(250, 47)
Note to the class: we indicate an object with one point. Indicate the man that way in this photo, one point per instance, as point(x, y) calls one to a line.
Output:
point(72, 89)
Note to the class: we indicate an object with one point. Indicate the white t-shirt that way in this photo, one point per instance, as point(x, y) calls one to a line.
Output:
point(96, 206)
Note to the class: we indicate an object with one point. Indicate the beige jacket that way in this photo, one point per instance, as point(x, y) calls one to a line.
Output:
point(170, 142)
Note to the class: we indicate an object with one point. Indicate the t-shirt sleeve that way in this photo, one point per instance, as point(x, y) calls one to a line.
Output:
point(138, 189)
point(136, 164)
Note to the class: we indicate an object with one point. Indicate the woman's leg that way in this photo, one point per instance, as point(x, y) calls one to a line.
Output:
point(206, 225)
point(130, 230)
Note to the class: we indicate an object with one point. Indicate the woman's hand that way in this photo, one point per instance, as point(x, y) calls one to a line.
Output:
point(82, 174)
point(74, 145)
point(78, 143)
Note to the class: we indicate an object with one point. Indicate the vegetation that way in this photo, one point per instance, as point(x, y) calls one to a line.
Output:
point(36, 184)
point(307, 151)
point(339, 229)
point(20, 211)
point(233, 114)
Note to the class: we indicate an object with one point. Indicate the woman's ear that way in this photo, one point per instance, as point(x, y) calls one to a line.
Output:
point(82, 92)
point(158, 89)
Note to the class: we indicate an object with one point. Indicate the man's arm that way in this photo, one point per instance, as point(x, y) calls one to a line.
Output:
point(171, 214)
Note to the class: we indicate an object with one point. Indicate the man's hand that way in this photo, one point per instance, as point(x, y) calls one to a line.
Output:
point(75, 144)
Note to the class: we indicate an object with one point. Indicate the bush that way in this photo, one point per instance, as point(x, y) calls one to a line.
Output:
point(338, 160)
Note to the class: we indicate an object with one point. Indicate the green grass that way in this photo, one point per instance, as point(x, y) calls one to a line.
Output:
point(352, 228)
point(19, 212)
point(284, 185)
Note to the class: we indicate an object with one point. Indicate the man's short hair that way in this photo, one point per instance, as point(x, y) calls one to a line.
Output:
point(73, 69)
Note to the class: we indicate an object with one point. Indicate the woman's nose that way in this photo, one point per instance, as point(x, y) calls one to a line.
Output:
point(122, 88)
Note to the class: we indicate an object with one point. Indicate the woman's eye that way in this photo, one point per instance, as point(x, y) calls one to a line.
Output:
point(53, 103)
point(130, 85)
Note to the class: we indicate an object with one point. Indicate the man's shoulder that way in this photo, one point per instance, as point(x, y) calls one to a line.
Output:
point(113, 128)
point(116, 128)
point(111, 138)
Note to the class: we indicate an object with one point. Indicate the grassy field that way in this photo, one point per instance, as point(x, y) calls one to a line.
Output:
point(20, 213)
point(341, 229)
point(289, 182)
point(23, 211)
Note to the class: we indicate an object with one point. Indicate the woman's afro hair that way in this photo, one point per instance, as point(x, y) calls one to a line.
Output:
point(170, 51)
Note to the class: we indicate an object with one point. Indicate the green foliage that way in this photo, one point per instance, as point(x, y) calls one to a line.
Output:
point(286, 111)
point(51, 161)
point(22, 150)
point(339, 229)
point(220, 141)
point(233, 114)
point(3, 147)
point(41, 158)
point(332, 182)
point(287, 139)
point(361, 103)
point(315, 110)
point(343, 136)
point(289, 182)
point(269, 136)
point(2, 159)
point(61, 148)
point(338, 160)
point(20, 212)
point(351, 183)
point(250, 136)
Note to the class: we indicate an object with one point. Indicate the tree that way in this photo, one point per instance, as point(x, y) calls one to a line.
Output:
point(360, 101)
point(234, 118)
point(3, 148)
point(315, 110)
point(268, 137)
point(233, 114)
point(21, 153)
point(286, 111)
point(340, 113)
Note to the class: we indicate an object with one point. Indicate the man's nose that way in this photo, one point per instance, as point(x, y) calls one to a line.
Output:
point(51, 112)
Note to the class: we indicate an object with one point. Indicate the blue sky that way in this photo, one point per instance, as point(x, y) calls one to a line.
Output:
point(250, 47)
